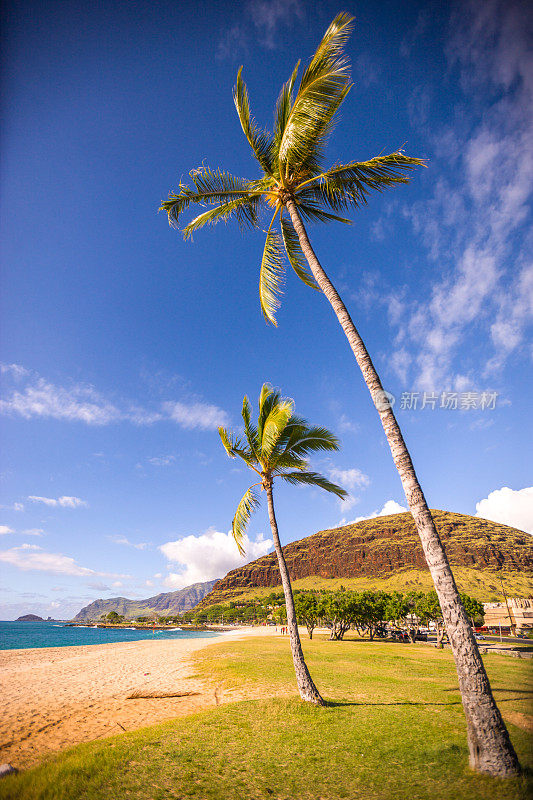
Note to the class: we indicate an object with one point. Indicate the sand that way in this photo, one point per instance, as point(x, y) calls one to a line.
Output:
point(56, 697)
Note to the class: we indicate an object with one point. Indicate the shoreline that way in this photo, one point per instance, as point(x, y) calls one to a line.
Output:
point(56, 697)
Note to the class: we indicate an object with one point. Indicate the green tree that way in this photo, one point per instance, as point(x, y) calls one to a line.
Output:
point(298, 188)
point(339, 610)
point(114, 617)
point(277, 448)
point(369, 611)
point(308, 610)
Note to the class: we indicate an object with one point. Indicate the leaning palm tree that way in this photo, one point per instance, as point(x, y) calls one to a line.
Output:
point(277, 448)
point(297, 188)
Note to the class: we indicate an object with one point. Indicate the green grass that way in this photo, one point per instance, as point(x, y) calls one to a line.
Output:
point(394, 730)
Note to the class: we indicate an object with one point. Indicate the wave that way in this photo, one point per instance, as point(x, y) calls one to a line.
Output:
point(175, 629)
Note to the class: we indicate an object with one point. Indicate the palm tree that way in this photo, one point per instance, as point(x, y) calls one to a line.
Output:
point(277, 447)
point(299, 189)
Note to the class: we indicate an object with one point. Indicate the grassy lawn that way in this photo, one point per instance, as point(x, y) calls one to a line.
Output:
point(394, 730)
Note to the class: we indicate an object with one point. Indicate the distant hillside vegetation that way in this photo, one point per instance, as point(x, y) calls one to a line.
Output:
point(386, 553)
point(166, 604)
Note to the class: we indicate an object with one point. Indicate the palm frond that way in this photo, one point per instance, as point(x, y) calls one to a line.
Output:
point(268, 399)
point(314, 479)
point(266, 392)
point(249, 429)
point(259, 141)
point(271, 275)
point(347, 185)
point(283, 109)
point(298, 441)
point(311, 212)
point(288, 461)
point(234, 446)
point(243, 209)
point(245, 509)
point(210, 188)
point(313, 440)
point(274, 426)
point(294, 253)
point(323, 87)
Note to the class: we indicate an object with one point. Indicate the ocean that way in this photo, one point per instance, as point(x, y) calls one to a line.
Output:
point(23, 635)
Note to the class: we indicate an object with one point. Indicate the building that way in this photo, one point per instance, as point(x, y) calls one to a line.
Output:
point(516, 614)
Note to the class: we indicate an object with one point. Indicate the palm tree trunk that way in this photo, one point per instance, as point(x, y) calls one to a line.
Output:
point(306, 687)
point(490, 748)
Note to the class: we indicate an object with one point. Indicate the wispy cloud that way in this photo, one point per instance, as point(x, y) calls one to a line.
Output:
point(4, 529)
point(196, 415)
point(347, 425)
point(30, 557)
point(33, 397)
point(123, 540)
point(269, 15)
point(162, 461)
point(59, 502)
point(349, 479)
point(473, 225)
point(207, 556)
point(260, 23)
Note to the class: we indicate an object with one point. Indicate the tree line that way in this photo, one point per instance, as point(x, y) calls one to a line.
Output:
point(371, 612)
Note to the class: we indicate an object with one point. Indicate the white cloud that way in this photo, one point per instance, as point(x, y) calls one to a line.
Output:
point(13, 507)
point(38, 398)
point(512, 507)
point(474, 224)
point(79, 403)
point(25, 532)
point(149, 582)
point(162, 461)
point(268, 15)
point(390, 507)
point(61, 502)
point(123, 540)
point(346, 425)
point(349, 478)
point(208, 556)
point(348, 502)
point(15, 370)
point(196, 415)
point(117, 584)
point(31, 557)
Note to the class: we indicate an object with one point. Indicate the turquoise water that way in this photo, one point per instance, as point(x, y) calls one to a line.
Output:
point(21, 635)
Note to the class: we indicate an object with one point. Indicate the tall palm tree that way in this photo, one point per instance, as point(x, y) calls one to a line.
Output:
point(297, 187)
point(277, 447)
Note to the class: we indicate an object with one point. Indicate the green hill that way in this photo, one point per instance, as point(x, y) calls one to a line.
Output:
point(385, 553)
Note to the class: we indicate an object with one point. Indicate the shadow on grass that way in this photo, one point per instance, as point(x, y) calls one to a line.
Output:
point(496, 691)
point(336, 704)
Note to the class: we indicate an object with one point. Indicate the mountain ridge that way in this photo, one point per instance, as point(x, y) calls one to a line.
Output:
point(163, 604)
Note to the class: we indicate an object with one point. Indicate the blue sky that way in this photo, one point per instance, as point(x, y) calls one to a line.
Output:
point(124, 347)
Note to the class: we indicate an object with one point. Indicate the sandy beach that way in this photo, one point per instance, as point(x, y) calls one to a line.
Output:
point(56, 697)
